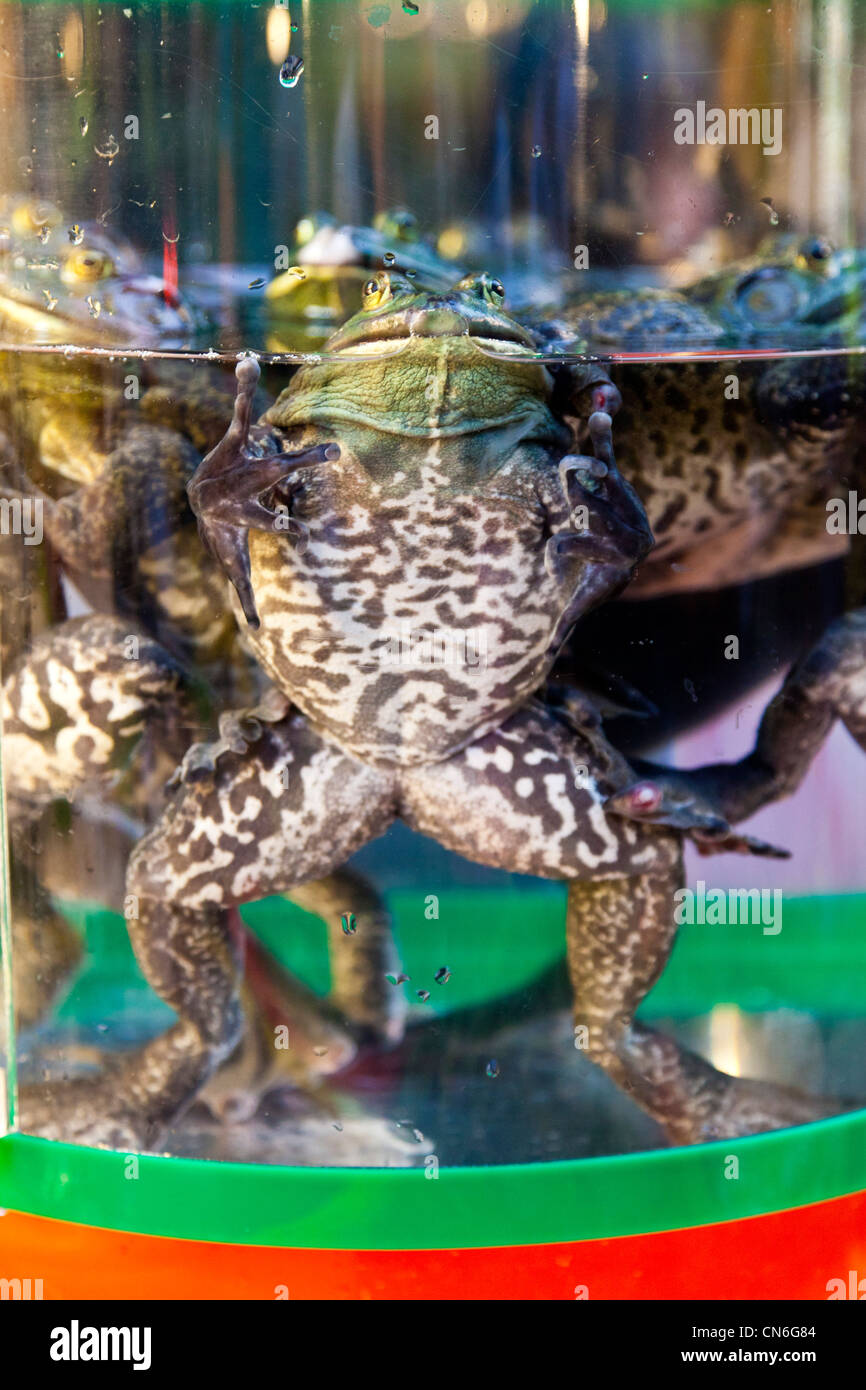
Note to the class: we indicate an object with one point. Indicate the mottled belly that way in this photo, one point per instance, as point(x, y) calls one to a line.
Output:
point(404, 638)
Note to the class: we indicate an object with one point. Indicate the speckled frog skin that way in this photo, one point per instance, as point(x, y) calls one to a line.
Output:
point(734, 460)
point(437, 517)
point(424, 474)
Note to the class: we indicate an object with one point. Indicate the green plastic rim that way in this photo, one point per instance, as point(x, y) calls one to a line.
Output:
point(403, 1209)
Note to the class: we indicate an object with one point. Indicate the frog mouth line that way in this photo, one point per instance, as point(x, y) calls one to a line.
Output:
point(384, 347)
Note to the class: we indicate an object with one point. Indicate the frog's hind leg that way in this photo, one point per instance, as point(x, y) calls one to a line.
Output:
point(826, 685)
point(280, 807)
point(531, 798)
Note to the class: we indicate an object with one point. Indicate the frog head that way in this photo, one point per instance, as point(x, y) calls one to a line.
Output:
point(417, 363)
point(62, 282)
point(805, 292)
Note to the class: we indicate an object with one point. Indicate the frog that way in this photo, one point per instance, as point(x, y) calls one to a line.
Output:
point(333, 263)
point(109, 475)
point(421, 475)
point(736, 464)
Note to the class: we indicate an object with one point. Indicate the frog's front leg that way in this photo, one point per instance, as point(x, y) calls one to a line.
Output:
point(287, 809)
point(530, 798)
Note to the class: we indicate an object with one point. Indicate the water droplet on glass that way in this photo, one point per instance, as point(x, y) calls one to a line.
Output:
point(645, 77)
point(774, 216)
point(338, 1126)
point(75, 234)
point(291, 71)
point(423, 995)
point(294, 28)
point(389, 258)
point(50, 301)
point(43, 234)
point(492, 1068)
point(443, 975)
point(398, 979)
point(109, 150)
point(349, 923)
point(320, 1051)
point(535, 151)
point(256, 284)
point(94, 306)
point(83, 124)
point(409, 1124)
point(409, 8)
point(25, 164)
point(297, 271)
point(729, 219)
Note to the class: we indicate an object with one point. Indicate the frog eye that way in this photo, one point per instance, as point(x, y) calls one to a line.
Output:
point(769, 295)
point(376, 292)
point(495, 292)
point(85, 266)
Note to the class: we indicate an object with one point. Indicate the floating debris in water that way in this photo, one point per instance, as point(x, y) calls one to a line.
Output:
point(492, 1068)
point(774, 216)
point(535, 151)
point(443, 975)
point(398, 979)
point(349, 923)
point(75, 234)
point(110, 150)
point(83, 124)
point(257, 283)
point(291, 71)
point(423, 995)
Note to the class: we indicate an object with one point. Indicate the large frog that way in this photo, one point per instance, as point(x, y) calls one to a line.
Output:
point(419, 481)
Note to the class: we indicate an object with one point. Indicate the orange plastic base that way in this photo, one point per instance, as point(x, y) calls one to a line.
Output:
point(787, 1254)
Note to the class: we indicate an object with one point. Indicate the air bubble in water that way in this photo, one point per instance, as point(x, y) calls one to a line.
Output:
point(25, 164)
point(291, 71)
point(349, 923)
point(94, 306)
point(423, 995)
point(43, 234)
point(443, 975)
point(389, 258)
point(50, 301)
point(400, 979)
point(75, 234)
point(83, 124)
point(492, 1068)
